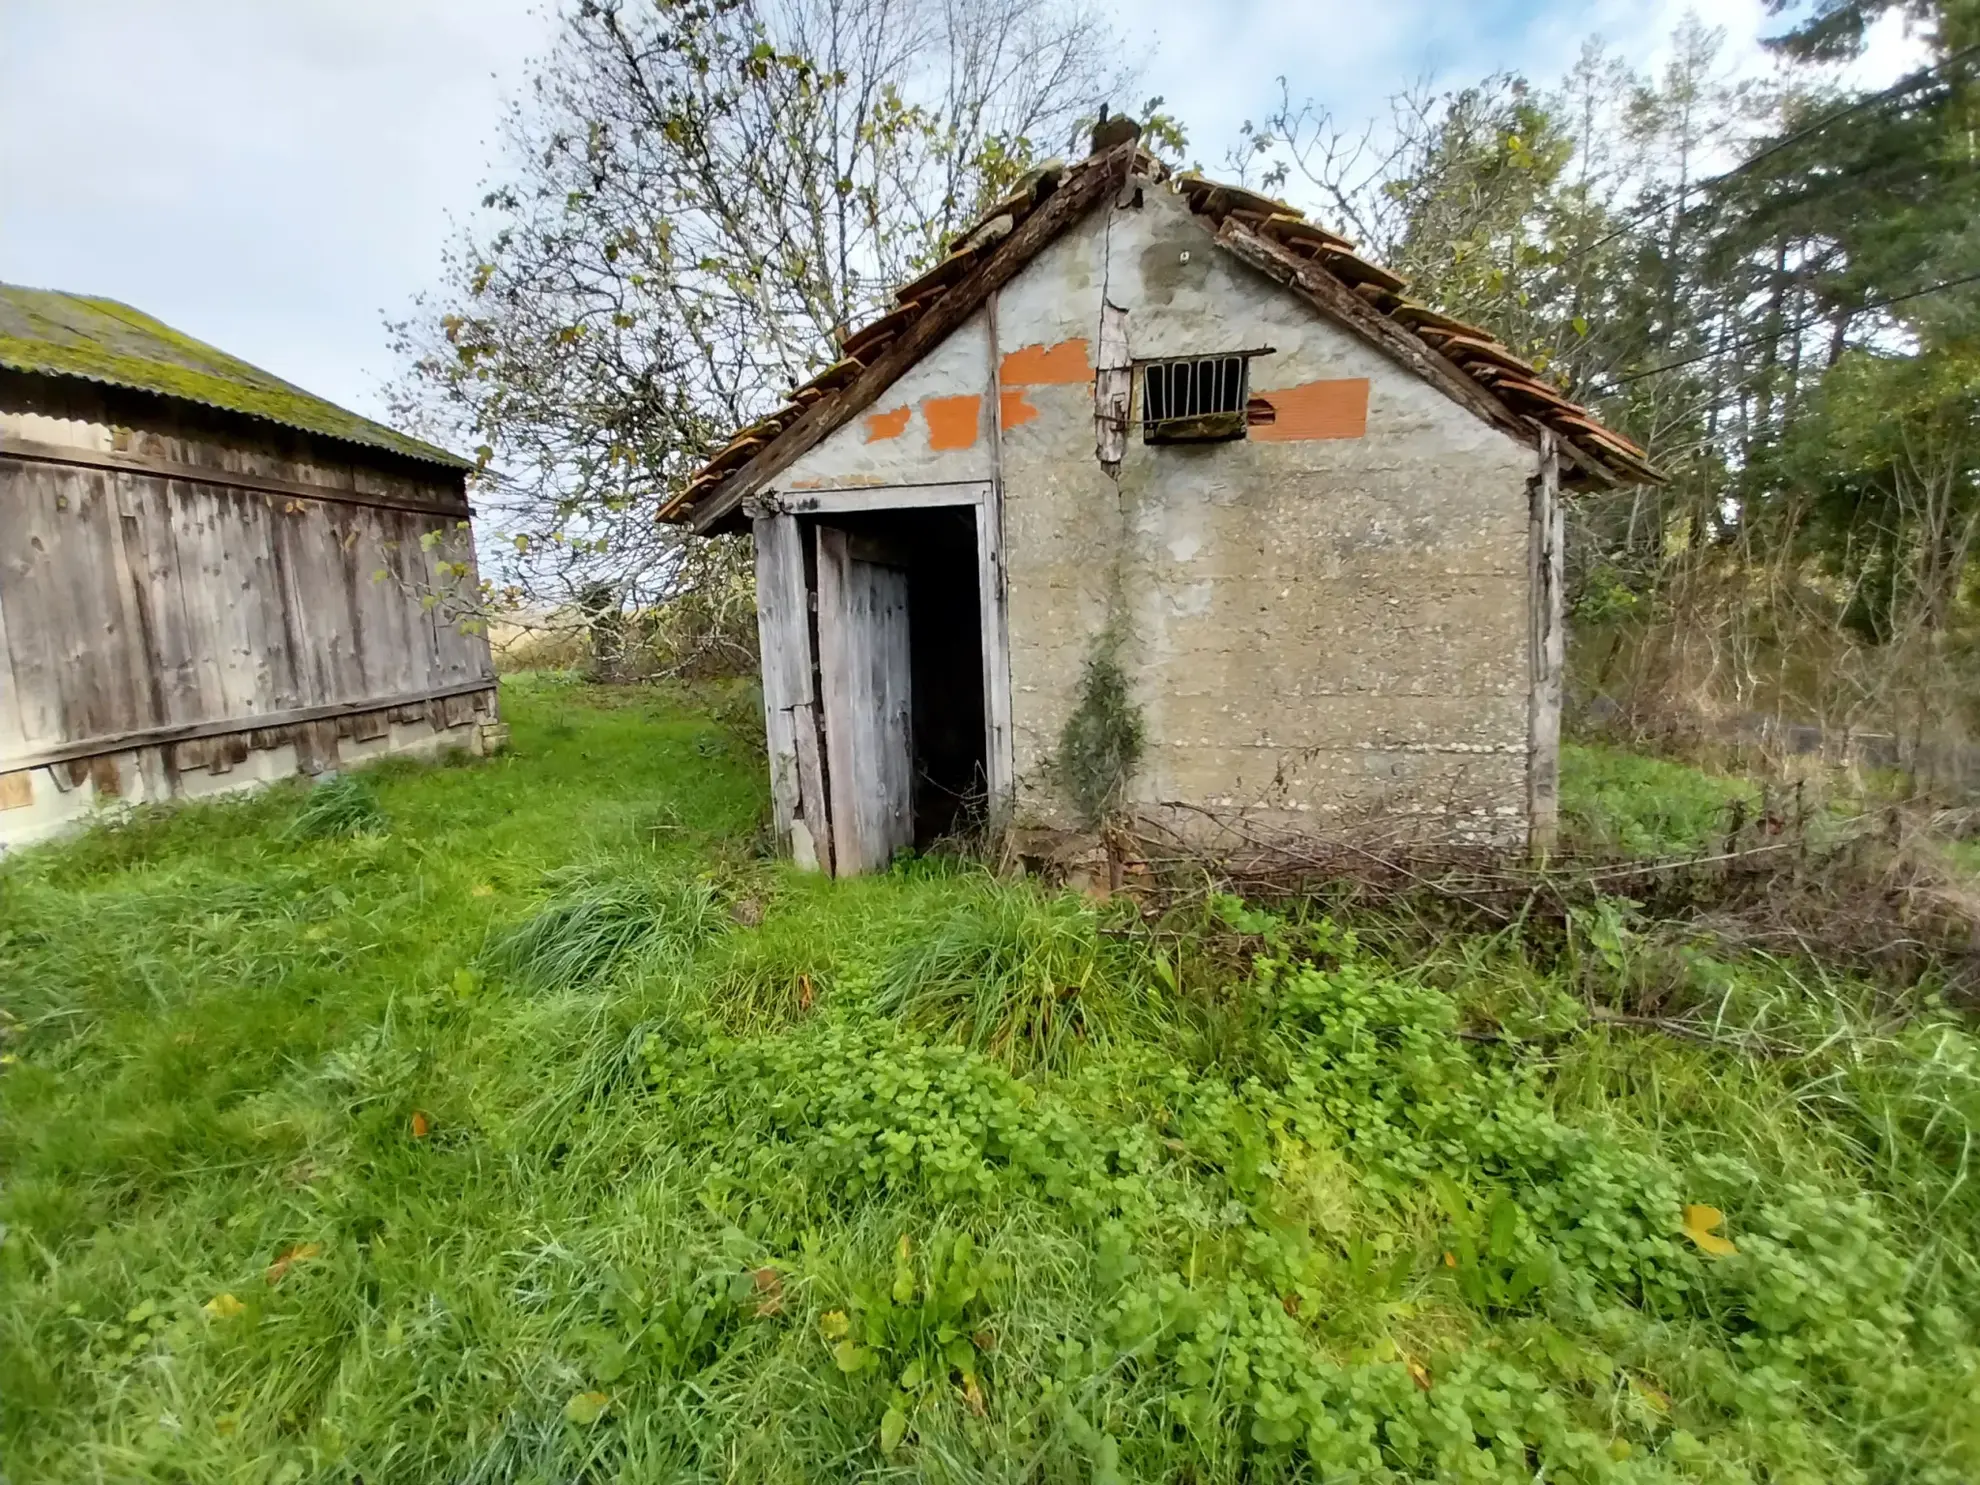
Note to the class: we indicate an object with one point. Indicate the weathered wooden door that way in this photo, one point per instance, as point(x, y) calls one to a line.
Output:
point(865, 678)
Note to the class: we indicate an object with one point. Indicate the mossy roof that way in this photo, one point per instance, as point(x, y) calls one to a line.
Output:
point(100, 340)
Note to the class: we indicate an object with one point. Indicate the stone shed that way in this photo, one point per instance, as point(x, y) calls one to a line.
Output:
point(1152, 475)
point(210, 578)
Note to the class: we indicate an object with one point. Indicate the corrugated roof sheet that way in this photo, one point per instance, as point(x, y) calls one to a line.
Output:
point(100, 340)
point(1527, 398)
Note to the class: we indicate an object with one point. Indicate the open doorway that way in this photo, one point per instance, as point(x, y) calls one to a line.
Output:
point(901, 677)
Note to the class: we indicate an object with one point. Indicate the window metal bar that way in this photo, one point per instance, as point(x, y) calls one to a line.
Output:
point(1185, 389)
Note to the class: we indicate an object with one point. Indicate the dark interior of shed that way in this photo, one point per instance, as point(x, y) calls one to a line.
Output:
point(937, 549)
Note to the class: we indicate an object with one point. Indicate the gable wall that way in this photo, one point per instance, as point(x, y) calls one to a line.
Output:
point(1324, 624)
point(931, 427)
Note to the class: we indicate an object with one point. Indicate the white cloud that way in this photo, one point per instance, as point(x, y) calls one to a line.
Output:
point(264, 176)
point(270, 175)
point(1217, 65)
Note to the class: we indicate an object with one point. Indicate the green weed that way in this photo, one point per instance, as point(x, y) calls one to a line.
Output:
point(525, 1142)
point(1611, 799)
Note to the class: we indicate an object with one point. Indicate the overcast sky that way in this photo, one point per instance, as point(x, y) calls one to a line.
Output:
point(274, 176)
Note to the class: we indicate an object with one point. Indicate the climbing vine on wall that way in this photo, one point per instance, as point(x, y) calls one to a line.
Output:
point(1101, 744)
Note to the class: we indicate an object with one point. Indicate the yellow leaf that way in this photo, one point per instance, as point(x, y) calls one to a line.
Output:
point(1698, 1225)
point(770, 1287)
point(421, 1125)
point(224, 1307)
point(586, 1407)
point(300, 1253)
point(834, 1323)
point(1657, 1400)
point(1418, 1373)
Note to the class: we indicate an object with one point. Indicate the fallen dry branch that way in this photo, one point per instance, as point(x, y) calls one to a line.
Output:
point(1868, 896)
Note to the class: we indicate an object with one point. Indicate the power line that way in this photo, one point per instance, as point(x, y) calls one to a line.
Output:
point(1794, 329)
point(1896, 90)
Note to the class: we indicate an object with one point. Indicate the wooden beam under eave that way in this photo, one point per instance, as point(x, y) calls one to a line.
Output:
point(1080, 189)
point(1340, 303)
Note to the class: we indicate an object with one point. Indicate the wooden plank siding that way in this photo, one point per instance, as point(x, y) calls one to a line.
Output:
point(136, 602)
point(865, 671)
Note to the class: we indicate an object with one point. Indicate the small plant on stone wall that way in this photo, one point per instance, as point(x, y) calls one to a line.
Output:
point(1100, 746)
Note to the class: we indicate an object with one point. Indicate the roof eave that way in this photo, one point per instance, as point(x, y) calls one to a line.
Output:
point(404, 446)
point(1076, 192)
point(1259, 231)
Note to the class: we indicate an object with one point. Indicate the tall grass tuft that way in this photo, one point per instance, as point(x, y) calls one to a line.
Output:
point(342, 808)
point(599, 920)
point(1027, 978)
point(771, 978)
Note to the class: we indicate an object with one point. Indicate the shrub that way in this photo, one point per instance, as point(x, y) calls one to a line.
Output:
point(1100, 746)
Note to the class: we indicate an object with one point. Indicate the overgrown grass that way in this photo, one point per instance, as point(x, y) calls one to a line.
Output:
point(1028, 979)
point(1641, 806)
point(344, 806)
point(550, 1135)
point(597, 920)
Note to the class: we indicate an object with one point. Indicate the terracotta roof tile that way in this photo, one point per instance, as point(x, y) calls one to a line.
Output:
point(862, 343)
point(1465, 348)
point(1472, 349)
point(1345, 265)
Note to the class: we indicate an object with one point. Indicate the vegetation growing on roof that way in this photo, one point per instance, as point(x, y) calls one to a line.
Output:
point(55, 334)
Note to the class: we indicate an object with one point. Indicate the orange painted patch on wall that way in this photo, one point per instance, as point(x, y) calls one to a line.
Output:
point(953, 422)
point(1313, 410)
point(1048, 365)
point(889, 424)
point(1016, 406)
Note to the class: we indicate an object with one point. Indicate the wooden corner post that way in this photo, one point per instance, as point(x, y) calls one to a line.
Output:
point(790, 711)
point(1546, 649)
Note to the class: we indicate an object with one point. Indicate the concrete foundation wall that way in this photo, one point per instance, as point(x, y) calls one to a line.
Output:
point(1324, 624)
point(46, 803)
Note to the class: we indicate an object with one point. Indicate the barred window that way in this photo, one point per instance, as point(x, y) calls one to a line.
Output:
point(1198, 400)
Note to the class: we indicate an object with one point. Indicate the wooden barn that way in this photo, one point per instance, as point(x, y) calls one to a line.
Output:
point(1156, 471)
point(208, 577)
